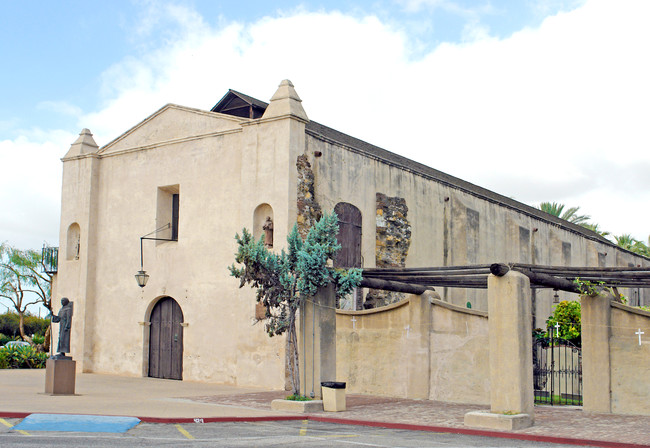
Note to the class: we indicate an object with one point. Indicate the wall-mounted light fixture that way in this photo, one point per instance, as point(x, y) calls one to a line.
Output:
point(142, 277)
point(556, 298)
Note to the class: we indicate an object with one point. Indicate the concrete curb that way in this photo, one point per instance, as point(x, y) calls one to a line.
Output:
point(404, 426)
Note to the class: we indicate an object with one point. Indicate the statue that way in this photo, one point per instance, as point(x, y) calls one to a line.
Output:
point(268, 232)
point(65, 322)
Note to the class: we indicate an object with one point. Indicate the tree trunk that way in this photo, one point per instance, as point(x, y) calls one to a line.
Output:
point(293, 353)
point(48, 339)
point(21, 327)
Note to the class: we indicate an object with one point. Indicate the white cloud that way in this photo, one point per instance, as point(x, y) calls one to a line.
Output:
point(545, 111)
point(556, 113)
point(30, 187)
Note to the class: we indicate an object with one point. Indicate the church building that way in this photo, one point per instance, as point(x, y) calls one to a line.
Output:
point(165, 199)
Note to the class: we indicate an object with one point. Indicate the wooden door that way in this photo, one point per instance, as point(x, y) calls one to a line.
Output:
point(166, 340)
point(349, 236)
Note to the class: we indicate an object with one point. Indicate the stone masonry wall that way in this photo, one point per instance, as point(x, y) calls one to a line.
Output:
point(393, 239)
point(309, 210)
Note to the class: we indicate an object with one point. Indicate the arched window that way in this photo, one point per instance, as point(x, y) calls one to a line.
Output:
point(263, 224)
point(73, 242)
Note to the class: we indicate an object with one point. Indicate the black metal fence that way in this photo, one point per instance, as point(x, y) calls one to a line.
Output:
point(557, 371)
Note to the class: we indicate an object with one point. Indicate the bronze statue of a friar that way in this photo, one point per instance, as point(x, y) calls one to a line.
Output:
point(65, 323)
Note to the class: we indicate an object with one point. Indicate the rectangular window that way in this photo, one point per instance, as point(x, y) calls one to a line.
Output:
point(174, 222)
point(168, 212)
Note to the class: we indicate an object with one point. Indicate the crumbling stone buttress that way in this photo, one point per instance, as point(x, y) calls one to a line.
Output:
point(393, 239)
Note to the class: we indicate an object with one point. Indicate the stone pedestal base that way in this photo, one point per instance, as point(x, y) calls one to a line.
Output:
point(504, 422)
point(60, 376)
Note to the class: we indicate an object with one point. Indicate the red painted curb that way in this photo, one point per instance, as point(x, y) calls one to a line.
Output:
point(405, 426)
point(14, 414)
point(480, 432)
point(219, 419)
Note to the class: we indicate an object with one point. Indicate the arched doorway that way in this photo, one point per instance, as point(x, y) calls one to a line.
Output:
point(166, 340)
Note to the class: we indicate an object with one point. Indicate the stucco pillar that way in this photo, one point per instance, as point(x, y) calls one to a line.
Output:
point(319, 345)
point(596, 370)
point(511, 364)
point(419, 354)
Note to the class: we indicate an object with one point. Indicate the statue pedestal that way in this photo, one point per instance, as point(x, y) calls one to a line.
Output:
point(60, 376)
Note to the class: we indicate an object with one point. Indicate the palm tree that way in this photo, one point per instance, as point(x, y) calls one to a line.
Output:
point(570, 214)
point(595, 228)
point(633, 245)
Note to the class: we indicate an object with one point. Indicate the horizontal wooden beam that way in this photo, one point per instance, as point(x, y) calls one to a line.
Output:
point(388, 285)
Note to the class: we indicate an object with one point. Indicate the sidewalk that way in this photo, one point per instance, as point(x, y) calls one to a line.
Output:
point(21, 393)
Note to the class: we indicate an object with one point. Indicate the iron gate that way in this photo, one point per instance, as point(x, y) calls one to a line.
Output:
point(557, 372)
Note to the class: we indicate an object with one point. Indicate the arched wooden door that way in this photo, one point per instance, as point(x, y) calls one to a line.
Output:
point(166, 340)
point(349, 236)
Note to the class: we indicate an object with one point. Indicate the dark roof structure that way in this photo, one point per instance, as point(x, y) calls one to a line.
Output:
point(241, 105)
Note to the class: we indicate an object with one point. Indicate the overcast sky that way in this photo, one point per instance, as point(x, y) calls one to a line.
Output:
point(536, 100)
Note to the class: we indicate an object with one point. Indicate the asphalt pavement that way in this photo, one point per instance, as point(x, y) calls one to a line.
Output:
point(224, 415)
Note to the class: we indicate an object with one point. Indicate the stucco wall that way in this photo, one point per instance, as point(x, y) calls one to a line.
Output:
point(460, 363)
point(417, 348)
point(371, 351)
point(630, 362)
point(451, 226)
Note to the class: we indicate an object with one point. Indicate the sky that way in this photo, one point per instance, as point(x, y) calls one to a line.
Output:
point(538, 100)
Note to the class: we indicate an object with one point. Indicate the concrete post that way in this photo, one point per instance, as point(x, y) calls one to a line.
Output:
point(418, 340)
point(511, 364)
point(596, 370)
point(319, 357)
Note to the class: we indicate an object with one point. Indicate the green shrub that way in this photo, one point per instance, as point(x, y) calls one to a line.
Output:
point(24, 357)
point(10, 324)
point(296, 397)
point(4, 339)
point(38, 339)
point(567, 314)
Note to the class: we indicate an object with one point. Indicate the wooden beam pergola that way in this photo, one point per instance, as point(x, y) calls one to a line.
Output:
point(412, 280)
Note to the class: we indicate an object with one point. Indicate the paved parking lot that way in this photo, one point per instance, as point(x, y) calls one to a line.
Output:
point(301, 433)
point(171, 402)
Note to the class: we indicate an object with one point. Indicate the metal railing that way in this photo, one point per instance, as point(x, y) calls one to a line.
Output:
point(50, 259)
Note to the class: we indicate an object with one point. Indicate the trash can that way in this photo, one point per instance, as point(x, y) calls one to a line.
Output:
point(333, 396)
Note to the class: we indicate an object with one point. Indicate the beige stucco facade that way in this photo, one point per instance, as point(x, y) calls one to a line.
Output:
point(231, 172)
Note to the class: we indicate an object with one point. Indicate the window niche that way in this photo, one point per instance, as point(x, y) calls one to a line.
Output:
point(73, 242)
point(167, 212)
point(263, 224)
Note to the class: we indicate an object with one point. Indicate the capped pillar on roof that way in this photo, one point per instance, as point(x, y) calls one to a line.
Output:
point(85, 144)
point(285, 102)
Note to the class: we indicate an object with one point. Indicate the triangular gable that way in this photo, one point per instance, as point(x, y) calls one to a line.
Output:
point(239, 105)
point(172, 122)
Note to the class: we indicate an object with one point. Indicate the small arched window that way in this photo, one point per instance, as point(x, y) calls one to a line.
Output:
point(73, 242)
point(263, 224)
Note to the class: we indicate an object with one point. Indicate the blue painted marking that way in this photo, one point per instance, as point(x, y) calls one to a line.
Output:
point(76, 423)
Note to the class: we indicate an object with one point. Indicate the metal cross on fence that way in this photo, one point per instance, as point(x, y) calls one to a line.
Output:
point(557, 330)
point(639, 333)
